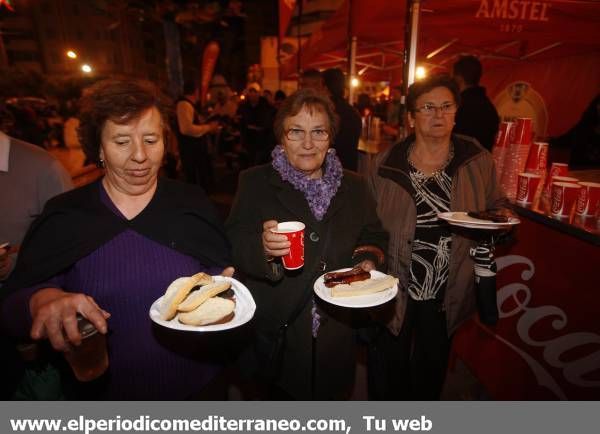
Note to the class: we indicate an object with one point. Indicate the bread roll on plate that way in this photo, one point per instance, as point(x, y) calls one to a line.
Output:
point(196, 298)
point(215, 310)
point(364, 287)
point(178, 291)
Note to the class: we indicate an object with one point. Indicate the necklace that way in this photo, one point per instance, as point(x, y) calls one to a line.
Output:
point(419, 173)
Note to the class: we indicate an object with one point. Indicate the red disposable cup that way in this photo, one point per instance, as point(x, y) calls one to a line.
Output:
point(527, 187)
point(505, 134)
point(523, 128)
point(588, 201)
point(565, 179)
point(556, 169)
point(538, 158)
point(294, 231)
point(564, 195)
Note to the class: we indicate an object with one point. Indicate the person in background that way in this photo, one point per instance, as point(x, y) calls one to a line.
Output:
point(305, 182)
point(311, 79)
point(279, 98)
point(364, 105)
point(111, 248)
point(583, 140)
point(268, 95)
point(476, 116)
point(394, 120)
point(346, 140)
point(192, 139)
point(29, 177)
point(431, 171)
point(256, 124)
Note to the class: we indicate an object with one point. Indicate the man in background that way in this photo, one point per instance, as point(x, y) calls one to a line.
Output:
point(346, 140)
point(29, 176)
point(192, 139)
point(311, 79)
point(476, 116)
point(256, 117)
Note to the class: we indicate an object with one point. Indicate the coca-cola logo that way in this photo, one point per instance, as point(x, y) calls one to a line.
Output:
point(522, 189)
point(557, 200)
point(557, 351)
point(543, 158)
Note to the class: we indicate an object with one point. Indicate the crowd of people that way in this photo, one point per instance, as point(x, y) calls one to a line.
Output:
point(107, 250)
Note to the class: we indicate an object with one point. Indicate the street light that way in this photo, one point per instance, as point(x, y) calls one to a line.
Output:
point(71, 54)
point(86, 68)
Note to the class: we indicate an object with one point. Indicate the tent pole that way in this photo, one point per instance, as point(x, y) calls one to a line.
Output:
point(414, 30)
point(299, 36)
point(352, 69)
point(352, 52)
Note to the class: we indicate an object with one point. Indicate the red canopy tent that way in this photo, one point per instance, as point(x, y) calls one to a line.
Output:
point(553, 45)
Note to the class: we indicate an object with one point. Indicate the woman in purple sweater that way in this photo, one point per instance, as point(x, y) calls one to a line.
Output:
point(106, 251)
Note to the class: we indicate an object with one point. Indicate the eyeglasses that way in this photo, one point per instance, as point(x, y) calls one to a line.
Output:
point(429, 109)
point(296, 134)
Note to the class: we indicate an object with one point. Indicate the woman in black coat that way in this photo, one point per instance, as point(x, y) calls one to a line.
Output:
point(306, 183)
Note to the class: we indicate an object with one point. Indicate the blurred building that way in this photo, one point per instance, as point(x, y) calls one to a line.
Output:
point(117, 37)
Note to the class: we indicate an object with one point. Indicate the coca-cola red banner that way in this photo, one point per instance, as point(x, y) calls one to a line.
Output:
point(546, 344)
point(286, 10)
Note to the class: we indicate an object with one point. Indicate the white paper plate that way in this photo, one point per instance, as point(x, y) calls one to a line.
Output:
point(462, 219)
point(369, 300)
point(244, 311)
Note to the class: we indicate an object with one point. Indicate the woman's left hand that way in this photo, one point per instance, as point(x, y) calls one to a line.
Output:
point(228, 272)
point(366, 265)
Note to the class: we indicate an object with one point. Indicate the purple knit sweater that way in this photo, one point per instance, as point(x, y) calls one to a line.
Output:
point(125, 276)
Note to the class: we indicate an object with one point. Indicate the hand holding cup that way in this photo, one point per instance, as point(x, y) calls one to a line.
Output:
point(286, 241)
point(274, 245)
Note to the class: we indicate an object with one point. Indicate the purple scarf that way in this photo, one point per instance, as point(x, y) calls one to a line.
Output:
point(318, 192)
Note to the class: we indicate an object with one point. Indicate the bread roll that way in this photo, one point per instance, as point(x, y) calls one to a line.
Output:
point(196, 298)
point(364, 287)
point(215, 310)
point(178, 291)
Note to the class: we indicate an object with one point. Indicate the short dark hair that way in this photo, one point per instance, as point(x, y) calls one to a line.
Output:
point(335, 81)
point(279, 95)
point(310, 74)
point(118, 100)
point(469, 68)
point(312, 100)
point(427, 84)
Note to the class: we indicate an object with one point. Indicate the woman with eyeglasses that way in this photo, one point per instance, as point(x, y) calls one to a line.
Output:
point(430, 172)
point(304, 182)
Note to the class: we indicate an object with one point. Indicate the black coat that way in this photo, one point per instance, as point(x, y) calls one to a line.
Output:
point(346, 139)
point(352, 221)
point(477, 117)
point(76, 223)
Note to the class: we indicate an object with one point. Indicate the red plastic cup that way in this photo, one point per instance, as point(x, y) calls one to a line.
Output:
point(565, 179)
point(538, 158)
point(505, 134)
point(523, 128)
point(564, 195)
point(527, 187)
point(588, 201)
point(556, 169)
point(294, 231)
